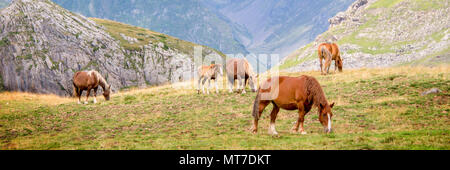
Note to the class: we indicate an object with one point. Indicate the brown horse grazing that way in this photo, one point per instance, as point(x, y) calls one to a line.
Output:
point(208, 73)
point(87, 81)
point(329, 52)
point(239, 69)
point(292, 93)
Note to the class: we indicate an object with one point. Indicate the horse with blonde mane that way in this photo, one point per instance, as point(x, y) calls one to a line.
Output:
point(240, 69)
point(208, 73)
point(87, 81)
point(292, 93)
point(329, 52)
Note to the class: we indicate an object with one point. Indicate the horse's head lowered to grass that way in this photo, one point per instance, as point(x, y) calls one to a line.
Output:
point(107, 92)
point(325, 116)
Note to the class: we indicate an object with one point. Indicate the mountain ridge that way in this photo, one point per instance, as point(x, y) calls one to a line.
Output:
point(185, 19)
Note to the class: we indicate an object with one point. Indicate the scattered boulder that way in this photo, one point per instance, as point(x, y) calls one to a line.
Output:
point(432, 91)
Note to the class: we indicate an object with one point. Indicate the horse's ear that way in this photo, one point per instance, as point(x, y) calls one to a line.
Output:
point(332, 105)
point(321, 106)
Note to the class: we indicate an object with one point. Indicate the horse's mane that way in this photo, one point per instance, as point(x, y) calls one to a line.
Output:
point(315, 92)
point(100, 78)
point(249, 69)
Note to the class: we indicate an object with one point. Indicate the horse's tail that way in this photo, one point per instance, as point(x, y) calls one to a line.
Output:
point(326, 53)
point(328, 57)
point(75, 90)
point(256, 105)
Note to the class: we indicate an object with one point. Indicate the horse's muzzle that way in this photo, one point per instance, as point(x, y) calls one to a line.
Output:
point(326, 130)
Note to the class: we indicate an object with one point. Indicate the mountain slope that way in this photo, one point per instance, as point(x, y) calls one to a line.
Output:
point(247, 26)
point(383, 33)
point(186, 19)
point(42, 45)
point(280, 26)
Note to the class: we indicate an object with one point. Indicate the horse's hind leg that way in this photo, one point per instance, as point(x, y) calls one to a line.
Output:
point(261, 105)
point(273, 117)
point(199, 85)
point(321, 66)
point(230, 84)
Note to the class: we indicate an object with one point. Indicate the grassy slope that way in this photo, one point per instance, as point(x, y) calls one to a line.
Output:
point(376, 109)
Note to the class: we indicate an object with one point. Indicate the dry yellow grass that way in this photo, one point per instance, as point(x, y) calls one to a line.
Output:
point(47, 99)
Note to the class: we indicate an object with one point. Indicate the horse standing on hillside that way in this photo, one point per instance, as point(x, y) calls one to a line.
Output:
point(208, 73)
point(88, 81)
point(240, 70)
point(292, 93)
point(329, 52)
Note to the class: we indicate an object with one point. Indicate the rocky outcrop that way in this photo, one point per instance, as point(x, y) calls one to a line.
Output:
point(382, 33)
point(42, 45)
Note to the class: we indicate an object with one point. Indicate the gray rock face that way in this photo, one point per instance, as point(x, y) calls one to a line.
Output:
point(42, 45)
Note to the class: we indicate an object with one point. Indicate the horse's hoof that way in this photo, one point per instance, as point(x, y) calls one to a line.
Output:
point(86, 103)
point(304, 133)
point(273, 133)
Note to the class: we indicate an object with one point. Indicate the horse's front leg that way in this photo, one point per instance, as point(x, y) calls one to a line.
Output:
point(242, 85)
point(209, 86)
point(300, 121)
point(95, 95)
point(335, 65)
point(87, 95)
point(217, 86)
point(203, 85)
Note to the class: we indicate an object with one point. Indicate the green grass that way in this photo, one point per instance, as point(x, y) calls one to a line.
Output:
point(425, 5)
point(437, 36)
point(385, 4)
point(376, 109)
point(292, 60)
